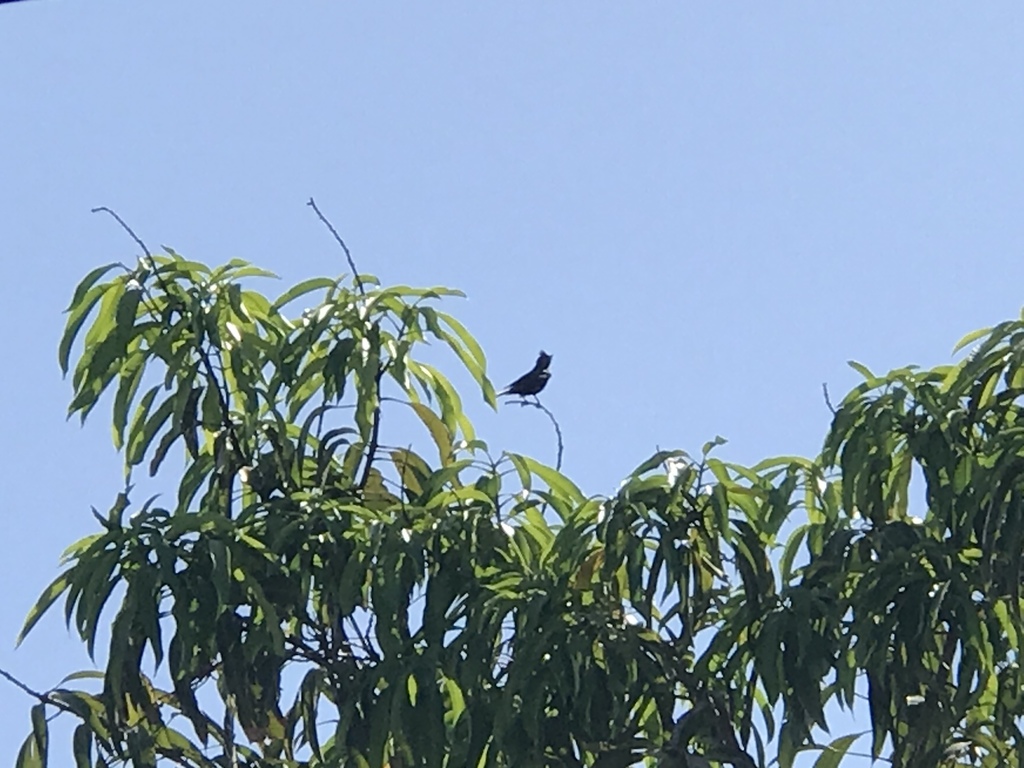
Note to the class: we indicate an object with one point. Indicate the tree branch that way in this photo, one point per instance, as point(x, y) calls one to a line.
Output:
point(129, 230)
point(145, 250)
point(348, 253)
point(554, 422)
point(223, 395)
point(828, 401)
point(44, 698)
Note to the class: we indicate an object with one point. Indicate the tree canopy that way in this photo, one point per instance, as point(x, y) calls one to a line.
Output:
point(319, 589)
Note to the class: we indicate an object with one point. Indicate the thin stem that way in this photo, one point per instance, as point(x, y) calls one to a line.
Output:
point(348, 253)
point(43, 697)
point(364, 638)
point(828, 401)
point(554, 422)
point(371, 449)
point(221, 386)
point(129, 230)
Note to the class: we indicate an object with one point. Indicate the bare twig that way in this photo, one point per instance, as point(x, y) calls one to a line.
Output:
point(34, 694)
point(147, 297)
point(558, 430)
point(374, 444)
point(348, 253)
point(44, 698)
point(828, 401)
point(142, 245)
point(129, 230)
point(364, 638)
point(54, 699)
point(371, 448)
point(223, 394)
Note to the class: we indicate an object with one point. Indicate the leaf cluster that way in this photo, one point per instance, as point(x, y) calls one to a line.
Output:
point(317, 592)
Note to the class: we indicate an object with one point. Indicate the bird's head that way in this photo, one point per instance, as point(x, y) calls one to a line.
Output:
point(543, 360)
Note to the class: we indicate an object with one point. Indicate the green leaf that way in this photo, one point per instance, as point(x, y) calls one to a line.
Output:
point(466, 338)
point(28, 755)
point(792, 545)
point(438, 431)
point(556, 481)
point(174, 742)
point(106, 319)
point(309, 694)
point(787, 748)
point(101, 339)
point(183, 424)
point(522, 469)
point(176, 267)
point(270, 616)
point(131, 377)
point(257, 307)
point(430, 293)
point(88, 282)
point(657, 460)
point(74, 325)
point(127, 311)
point(247, 271)
point(862, 369)
point(710, 445)
point(83, 746)
point(448, 399)
point(92, 588)
point(833, 754)
point(169, 438)
point(195, 474)
point(306, 384)
point(970, 338)
point(469, 352)
point(412, 688)
point(140, 439)
point(51, 593)
point(41, 732)
point(300, 289)
point(85, 298)
point(82, 674)
point(412, 469)
point(210, 410)
point(335, 369)
point(368, 394)
point(456, 701)
point(380, 728)
point(447, 499)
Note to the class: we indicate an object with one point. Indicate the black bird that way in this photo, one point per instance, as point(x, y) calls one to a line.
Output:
point(532, 382)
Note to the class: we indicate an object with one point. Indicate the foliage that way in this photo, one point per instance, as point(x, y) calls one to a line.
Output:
point(315, 594)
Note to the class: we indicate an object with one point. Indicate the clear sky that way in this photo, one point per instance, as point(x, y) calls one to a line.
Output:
point(701, 209)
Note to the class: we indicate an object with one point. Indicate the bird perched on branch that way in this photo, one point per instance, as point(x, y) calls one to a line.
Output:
point(533, 381)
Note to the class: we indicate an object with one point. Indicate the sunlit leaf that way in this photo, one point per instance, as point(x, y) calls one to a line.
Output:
point(301, 289)
point(438, 431)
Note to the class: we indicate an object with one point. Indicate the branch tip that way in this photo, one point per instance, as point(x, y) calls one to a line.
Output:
point(348, 254)
point(125, 227)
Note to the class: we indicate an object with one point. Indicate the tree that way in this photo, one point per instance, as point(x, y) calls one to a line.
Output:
point(319, 593)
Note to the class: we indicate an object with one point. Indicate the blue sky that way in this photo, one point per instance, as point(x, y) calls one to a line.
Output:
point(702, 210)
